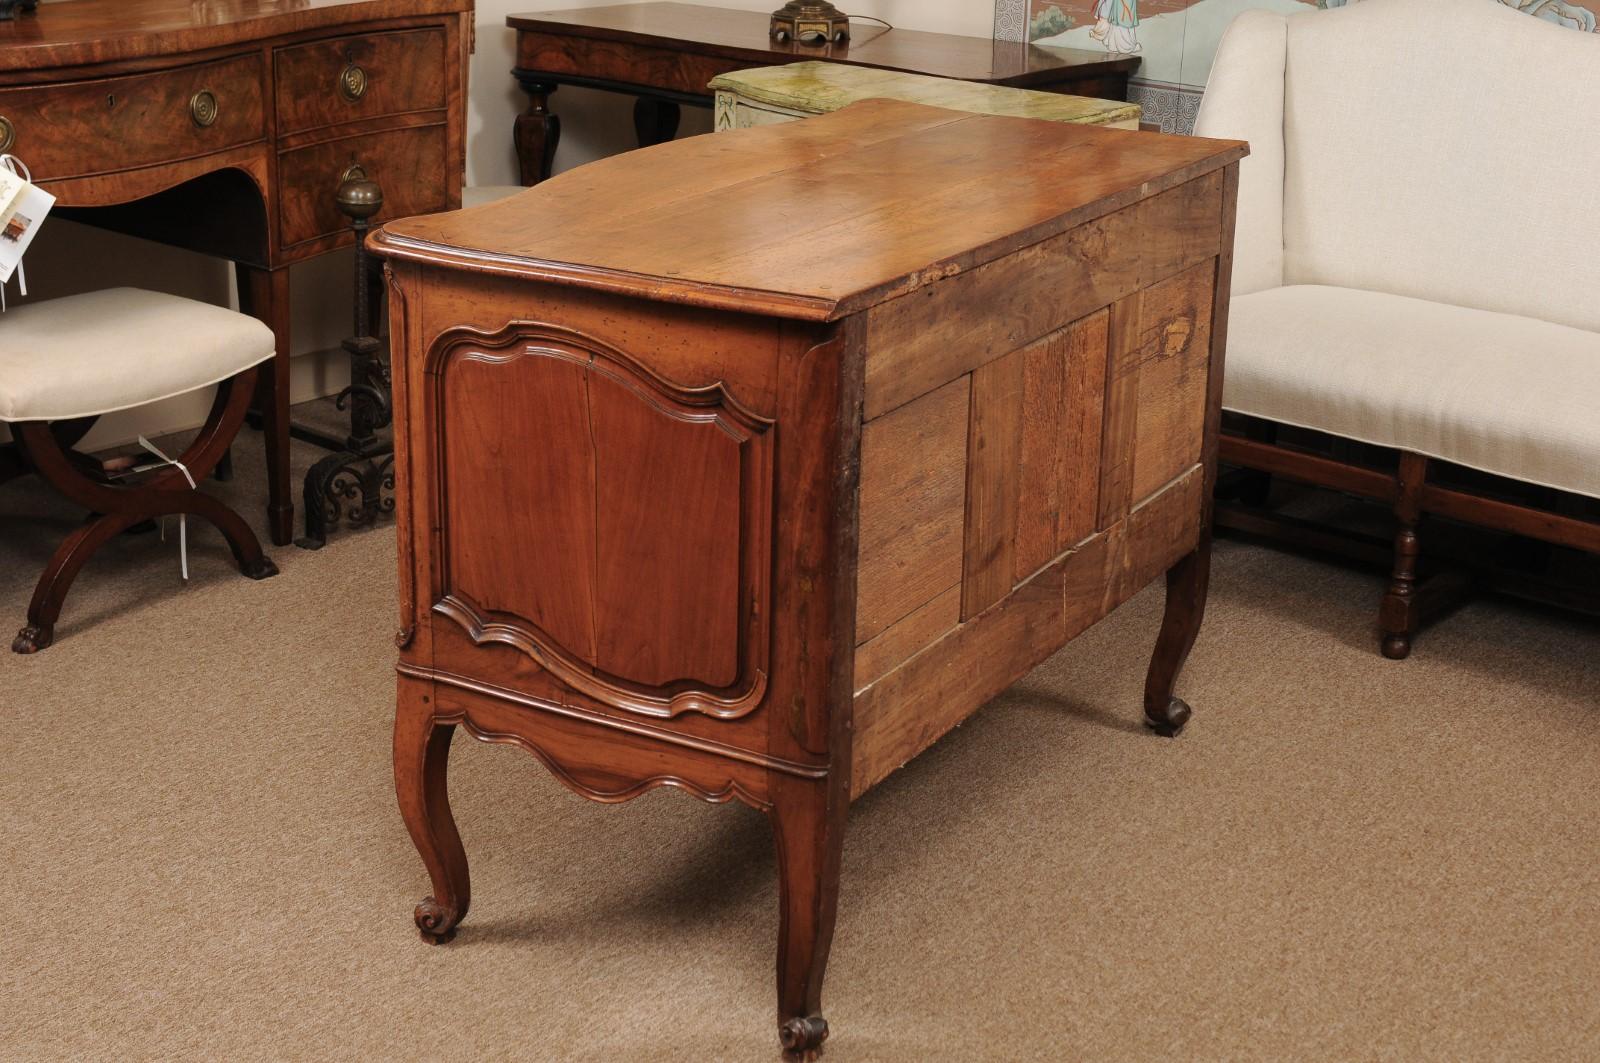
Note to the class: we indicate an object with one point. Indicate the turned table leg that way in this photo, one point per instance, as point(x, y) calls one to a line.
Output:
point(537, 133)
point(808, 825)
point(421, 759)
point(655, 121)
point(1164, 711)
point(264, 295)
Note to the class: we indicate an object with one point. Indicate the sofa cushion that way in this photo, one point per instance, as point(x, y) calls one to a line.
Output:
point(1509, 395)
point(1444, 149)
point(104, 351)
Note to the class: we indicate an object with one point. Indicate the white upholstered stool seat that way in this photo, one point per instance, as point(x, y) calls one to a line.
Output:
point(104, 351)
point(1505, 394)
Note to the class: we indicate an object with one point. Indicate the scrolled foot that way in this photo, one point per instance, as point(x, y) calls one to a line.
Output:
point(802, 1038)
point(1169, 723)
point(261, 569)
point(32, 639)
point(1396, 647)
point(437, 923)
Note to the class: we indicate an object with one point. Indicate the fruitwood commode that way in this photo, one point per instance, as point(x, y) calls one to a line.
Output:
point(752, 464)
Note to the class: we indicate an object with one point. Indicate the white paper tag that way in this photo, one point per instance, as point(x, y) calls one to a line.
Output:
point(18, 230)
point(11, 188)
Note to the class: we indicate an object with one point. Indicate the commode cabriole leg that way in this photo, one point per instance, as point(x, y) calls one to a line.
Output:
point(1187, 582)
point(808, 828)
point(421, 761)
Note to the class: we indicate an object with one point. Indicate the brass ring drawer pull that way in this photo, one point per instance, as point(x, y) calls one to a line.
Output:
point(8, 133)
point(203, 108)
point(354, 172)
point(352, 82)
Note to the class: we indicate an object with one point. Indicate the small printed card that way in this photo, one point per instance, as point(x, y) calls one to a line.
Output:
point(12, 185)
point(19, 219)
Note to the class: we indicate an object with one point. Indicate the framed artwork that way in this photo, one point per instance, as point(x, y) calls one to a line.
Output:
point(1176, 39)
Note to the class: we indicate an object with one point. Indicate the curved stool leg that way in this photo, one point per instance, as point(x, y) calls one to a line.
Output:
point(120, 507)
point(241, 540)
point(50, 593)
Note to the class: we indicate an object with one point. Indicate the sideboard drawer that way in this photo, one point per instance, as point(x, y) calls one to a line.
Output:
point(134, 121)
point(404, 163)
point(348, 78)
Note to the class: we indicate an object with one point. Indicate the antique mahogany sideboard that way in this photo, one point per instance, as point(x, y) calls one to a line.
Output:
point(666, 54)
point(226, 126)
point(761, 503)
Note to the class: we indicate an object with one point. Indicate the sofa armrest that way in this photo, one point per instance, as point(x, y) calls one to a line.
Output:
point(1244, 101)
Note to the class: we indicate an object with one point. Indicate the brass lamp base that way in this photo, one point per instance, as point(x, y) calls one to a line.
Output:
point(810, 23)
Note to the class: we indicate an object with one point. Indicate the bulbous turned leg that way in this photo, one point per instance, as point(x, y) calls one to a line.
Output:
point(421, 755)
point(1187, 581)
point(537, 133)
point(655, 121)
point(1398, 612)
point(808, 825)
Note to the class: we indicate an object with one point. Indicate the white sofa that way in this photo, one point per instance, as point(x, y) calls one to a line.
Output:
point(1418, 242)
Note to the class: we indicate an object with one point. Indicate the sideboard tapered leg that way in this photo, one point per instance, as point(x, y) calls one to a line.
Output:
point(1164, 712)
point(810, 838)
point(421, 759)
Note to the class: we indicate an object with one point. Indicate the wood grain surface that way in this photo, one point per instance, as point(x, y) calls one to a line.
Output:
point(961, 477)
point(882, 183)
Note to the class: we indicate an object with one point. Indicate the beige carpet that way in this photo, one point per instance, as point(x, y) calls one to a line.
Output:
point(1343, 858)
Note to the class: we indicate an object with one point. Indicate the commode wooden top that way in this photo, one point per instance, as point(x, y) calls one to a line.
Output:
point(811, 220)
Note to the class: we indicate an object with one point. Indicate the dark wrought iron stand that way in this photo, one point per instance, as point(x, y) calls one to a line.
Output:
point(356, 484)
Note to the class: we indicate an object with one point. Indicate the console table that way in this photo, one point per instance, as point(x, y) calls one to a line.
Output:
point(226, 127)
point(762, 513)
point(666, 54)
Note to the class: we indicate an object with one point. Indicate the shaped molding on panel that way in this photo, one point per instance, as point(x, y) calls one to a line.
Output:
point(640, 511)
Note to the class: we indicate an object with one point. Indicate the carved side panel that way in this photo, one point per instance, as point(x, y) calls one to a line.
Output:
point(613, 526)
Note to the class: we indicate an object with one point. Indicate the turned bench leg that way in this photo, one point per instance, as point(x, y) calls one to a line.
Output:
point(1255, 487)
point(421, 760)
point(1187, 582)
point(808, 826)
point(1398, 614)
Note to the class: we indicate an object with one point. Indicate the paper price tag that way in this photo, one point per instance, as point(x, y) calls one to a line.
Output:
point(19, 219)
point(11, 188)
